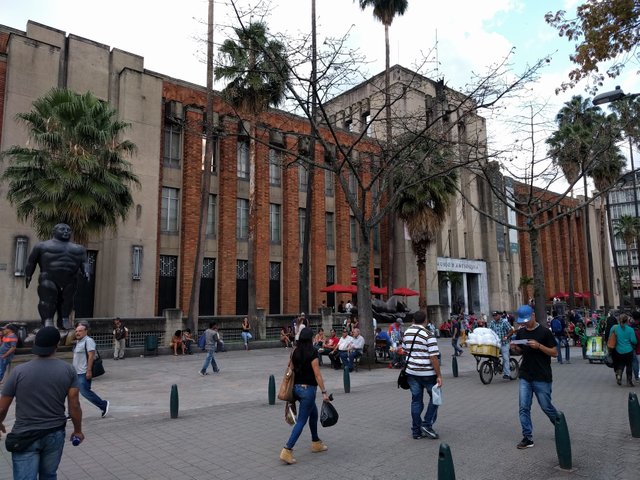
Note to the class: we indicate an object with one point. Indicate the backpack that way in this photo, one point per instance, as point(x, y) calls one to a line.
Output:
point(556, 326)
point(202, 341)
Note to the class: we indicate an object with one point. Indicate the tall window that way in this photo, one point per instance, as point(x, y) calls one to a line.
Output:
point(22, 244)
point(353, 233)
point(172, 146)
point(330, 227)
point(242, 219)
point(275, 167)
point(169, 211)
point(243, 159)
point(274, 223)
point(302, 223)
point(303, 177)
point(211, 215)
point(136, 262)
point(328, 183)
point(213, 155)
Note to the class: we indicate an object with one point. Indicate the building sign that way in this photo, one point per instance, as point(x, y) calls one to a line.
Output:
point(460, 265)
point(354, 276)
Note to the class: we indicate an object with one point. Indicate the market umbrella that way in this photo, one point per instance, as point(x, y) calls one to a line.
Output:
point(405, 292)
point(379, 290)
point(337, 288)
point(560, 295)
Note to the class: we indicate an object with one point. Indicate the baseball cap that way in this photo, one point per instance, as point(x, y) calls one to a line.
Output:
point(524, 314)
point(46, 341)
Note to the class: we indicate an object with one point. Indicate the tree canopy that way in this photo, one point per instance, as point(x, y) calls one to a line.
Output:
point(605, 30)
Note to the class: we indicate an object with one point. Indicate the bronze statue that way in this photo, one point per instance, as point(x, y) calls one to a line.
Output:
point(59, 260)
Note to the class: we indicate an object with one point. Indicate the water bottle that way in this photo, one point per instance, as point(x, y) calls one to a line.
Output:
point(75, 440)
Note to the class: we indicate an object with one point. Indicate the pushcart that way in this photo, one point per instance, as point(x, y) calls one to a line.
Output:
point(595, 349)
point(489, 363)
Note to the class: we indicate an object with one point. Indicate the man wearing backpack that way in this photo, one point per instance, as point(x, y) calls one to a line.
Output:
point(559, 330)
point(211, 341)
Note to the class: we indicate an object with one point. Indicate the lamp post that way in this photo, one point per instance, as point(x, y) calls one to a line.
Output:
point(613, 96)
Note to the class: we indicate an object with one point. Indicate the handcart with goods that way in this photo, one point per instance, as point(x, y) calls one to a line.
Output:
point(489, 362)
point(596, 349)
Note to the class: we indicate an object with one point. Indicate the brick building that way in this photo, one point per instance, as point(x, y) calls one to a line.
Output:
point(147, 265)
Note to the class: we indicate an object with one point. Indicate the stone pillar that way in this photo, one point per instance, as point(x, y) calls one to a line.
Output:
point(261, 324)
point(327, 319)
point(173, 322)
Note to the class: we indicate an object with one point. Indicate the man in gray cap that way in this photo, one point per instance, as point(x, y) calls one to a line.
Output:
point(40, 387)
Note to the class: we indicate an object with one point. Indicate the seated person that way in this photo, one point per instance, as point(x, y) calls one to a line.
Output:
point(340, 353)
point(177, 343)
point(356, 348)
point(187, 339)
point(328, 346)
point(318, 342)
point(383, 342)
point(284, 338)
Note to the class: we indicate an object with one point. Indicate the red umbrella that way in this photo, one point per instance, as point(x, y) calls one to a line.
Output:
point(405, 292)
point(337, 288)
point(560, 295)
point(379, 290)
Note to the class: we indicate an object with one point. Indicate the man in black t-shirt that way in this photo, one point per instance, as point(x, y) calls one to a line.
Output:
point(455, 335)
point(535, 371)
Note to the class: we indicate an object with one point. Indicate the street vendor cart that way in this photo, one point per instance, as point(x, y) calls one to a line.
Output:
point(489, 363)
point(595, 349)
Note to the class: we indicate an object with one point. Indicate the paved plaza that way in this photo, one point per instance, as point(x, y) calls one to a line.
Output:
point(227, 430)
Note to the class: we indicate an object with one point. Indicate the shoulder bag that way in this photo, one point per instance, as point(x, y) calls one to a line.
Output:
point(611, 343)
point(285, 393)
point(97, 369)
point(403, 381)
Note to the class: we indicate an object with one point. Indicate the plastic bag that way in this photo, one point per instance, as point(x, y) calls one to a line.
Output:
point(328, 414)
point(290, 413)
point(436, 395)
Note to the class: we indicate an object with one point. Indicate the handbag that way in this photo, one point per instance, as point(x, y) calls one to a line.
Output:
point(97, 369)
point(19, 442)
point(328, 414)
point(290, 413)
point(608, 360)
point(403, 379)
point(285, 392)
point(611, 343)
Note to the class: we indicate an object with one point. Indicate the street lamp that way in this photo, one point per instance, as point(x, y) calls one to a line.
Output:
point(613, 96)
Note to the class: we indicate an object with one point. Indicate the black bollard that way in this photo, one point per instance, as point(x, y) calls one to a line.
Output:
point(173, 403)
point(346, 379)
point(454, 365)
point(272, 390)
point(445, 463)
point(563, 442)
point(634, 415)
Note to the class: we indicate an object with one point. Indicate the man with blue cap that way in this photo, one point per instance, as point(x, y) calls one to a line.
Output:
point(537, 346)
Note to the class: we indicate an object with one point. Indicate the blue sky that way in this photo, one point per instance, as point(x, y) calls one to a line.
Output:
point(471, 35)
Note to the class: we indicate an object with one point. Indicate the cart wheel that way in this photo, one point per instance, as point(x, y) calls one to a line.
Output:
point(514, 369)
point(486, 372)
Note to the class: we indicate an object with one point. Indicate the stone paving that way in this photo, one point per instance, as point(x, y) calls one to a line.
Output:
point(227, 430)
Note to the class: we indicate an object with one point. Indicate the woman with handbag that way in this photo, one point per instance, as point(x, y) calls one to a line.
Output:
point(307, 379)
point(622, 340)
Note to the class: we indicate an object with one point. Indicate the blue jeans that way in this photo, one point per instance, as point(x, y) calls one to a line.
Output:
point(246, 336)
point(41, 459)
point(506, 368)
point(210, 360)
point(635, 366)
point(4, 363)
point(417, 385)
point(86, 392)
point(560, 341)
point(456, 349)
point(346, 359)
point(307, 411)
point(543, 394)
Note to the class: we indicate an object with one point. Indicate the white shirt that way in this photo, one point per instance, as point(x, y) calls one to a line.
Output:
point(357, 343)
point(345, 342)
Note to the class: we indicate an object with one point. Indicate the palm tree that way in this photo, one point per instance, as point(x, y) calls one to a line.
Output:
point(385, 11)
point(627, 227)
point(423, 206)
point(76, 172)
point(525, 283)
point(257, 70)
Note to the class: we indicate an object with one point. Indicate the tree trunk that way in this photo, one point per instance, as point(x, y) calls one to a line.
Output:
point(616, 267)
point(251, 260)
point(572, 288)
point(603, 264)
point(421, 262)
point(587, 222)
point(194, 299)
point(538, 276)
point(387, 154)
point(365, 312)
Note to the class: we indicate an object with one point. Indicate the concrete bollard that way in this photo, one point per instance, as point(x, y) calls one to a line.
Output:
point(272, 390)
point(563, 442)
point(634, 415)
point(454, 365)
point(346, 380)
point(445, 463)
point(173, 402)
